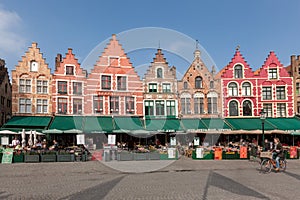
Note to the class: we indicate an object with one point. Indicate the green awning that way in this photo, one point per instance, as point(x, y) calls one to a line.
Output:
point(215, 124)
point(193, 125)
point(17, 123)
point(249, 124)
point(128, 124)
point(285, 123)
point(67, 123)
point(163, 125)
point(98, 124)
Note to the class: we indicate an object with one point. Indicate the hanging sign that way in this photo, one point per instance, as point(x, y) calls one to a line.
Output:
point(173, 141)
point(80, 139)
point(111, 139)
point(196, 141)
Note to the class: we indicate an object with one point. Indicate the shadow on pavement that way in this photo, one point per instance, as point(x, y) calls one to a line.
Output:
point(224, 183)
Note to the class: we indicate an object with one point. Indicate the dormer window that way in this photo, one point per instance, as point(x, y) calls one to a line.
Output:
point(34, 66)
point(238, 71)
point(159, 73)
point(69, 70)
point(272, 73)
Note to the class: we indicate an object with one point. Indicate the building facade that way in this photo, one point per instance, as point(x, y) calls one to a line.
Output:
point(275, 88)
point(294, 70)
point(246, 93)
point(199, 91)
point(113, 86)
point(31, 85)
point(239, 88)
point(68, 85)
point(160, 88)
point(5, 93)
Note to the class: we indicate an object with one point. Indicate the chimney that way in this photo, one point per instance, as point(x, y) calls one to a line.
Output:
point(58, 60)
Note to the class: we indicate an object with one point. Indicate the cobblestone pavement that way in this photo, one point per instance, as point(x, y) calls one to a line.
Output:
point(182, 179)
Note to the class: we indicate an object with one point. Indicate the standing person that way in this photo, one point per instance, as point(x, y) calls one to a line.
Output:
point(15, 142)
point(267, 145)
point(277, 152)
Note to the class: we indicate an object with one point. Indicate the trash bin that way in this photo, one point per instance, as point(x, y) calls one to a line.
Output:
point(107, 155)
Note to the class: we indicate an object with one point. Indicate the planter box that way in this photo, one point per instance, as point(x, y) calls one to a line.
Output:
point(207, 155)
point(154, 156)
point(48, 158)
point(18, 158)
point(230, 155)
point(141, 156)
point(31, 158)
point(65, 158)
point(124, 156)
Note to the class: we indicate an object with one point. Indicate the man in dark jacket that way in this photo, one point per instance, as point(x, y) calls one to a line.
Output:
point(278, 152)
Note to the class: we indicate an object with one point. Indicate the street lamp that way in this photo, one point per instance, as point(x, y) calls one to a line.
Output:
point(263, 118)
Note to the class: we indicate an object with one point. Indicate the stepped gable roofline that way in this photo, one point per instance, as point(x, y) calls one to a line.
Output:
point(237, 58)
point(159, 57)
point(69, 56)
point(33, 46)
point(272, 61)
point(113, 48)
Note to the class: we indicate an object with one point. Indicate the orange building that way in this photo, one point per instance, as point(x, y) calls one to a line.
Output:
point(31, 85)
point(199, 91)
point(68, 84)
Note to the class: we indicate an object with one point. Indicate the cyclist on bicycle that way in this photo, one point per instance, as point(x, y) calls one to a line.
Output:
point(277, 152)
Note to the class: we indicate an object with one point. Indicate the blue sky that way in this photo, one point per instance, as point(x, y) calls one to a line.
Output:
point(257, 26)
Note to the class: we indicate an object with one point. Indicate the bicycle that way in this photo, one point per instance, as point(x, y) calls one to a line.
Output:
point(268, 163)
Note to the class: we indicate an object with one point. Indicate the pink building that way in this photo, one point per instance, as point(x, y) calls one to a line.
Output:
point(245, 93)
point(113, 86)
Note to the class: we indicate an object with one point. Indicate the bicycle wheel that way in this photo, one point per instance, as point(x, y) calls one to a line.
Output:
point(266, 166)
point(282, 165)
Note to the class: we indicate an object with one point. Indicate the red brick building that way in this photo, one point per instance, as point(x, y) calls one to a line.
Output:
point(245, 93)
point(113, 86)
point(31, 85)
point(160, 88)
point(199, 91)
point(68, 83)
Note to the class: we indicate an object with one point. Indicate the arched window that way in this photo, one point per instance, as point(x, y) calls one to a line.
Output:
point(232, 89)
point(233, 108)
point(238, 71)
point(159, 73)
point(247, 108)
point(185, 85)
point(211, 84)
point(34, 66)
point(246, 89)
point(198, 82)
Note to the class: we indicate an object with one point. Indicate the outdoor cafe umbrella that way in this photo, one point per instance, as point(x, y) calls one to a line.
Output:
point(30, 139)
point(23, 138)
point(7, 132)
point(34, 138)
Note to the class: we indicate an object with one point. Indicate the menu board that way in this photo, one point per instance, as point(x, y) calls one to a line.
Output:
point(7, 155)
